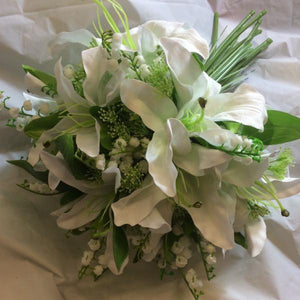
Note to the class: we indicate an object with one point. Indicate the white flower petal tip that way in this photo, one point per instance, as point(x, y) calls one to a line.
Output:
point(145, 100)
point(244, 175)
point(88, 140)
point(245, 106)
point(179, 137)
point(135, 207)
point(159, 156)
point(256, 235)
point(189, 38)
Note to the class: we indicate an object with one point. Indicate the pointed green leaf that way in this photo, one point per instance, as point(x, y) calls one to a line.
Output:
point(36, 127)
point(42, 176)
point(280, 128)
point(48, 80)
point(66, 146)
point(120, 246)
point(240, 239)
point(199, 60)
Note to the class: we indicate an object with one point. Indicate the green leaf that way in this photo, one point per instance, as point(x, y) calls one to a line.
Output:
point(120, 246)
point(70, 196)
point(280, 128)
point(36, 127)
point(240, 239)
point(66, 146)
point(49, 80)
point(105, 139)
point(199, 60)
point(42, 176)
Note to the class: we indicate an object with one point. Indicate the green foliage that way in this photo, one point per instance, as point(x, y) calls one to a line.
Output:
point(279, 166)
point(23, 164)
point(229, 59)
point(118, 121)
point(78, 79)
point(70, 196)
point(48, 80)
point(280, 128)
point(41, 176)
point(257, 210)
point(131, 180)
point(160, 77)
point(120, 246)
point(240, 240)
point(35, 128)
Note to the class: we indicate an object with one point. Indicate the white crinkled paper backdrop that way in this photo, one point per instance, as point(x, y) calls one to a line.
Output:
point(37, 261)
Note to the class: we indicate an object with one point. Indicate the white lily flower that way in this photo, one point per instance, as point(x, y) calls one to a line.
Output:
point(87, 136)
point(169, 136)
point(96, 196)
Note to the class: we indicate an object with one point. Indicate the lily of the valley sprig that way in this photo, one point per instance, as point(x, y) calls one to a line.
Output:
point(155, 144)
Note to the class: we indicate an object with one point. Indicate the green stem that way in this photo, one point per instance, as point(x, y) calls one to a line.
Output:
point(214, 36)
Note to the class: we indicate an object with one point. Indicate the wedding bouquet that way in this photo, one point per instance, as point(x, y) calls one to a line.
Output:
point(156, 146)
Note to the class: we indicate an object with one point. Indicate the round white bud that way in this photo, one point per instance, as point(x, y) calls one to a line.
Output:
point(181, 261)
point(87, 258)
point(13, 112)
point(134, 142)
point(211, 259)
point(44, 108)
point(68, 71)
point(98, 270)
point(94, 244)
point(177, 248)
point(27, 105)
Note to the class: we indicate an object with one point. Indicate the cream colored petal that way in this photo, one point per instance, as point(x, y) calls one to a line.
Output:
point(256, 236)
point(153, 107)
point(159, 156)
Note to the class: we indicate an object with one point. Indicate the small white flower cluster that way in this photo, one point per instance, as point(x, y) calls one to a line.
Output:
point(181, 249)
point(41, 188)
point(89, 255)
point(194, 283)
point(209, 251)
point(124, 153)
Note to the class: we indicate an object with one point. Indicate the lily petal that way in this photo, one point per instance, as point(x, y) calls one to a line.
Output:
point(200, 158)
point(138, 205)
point(73, 101)
point(189, 38)
point(159, 156)
point(215, 217)
point(160, 218)
point(241, 214)
point(96, 66)
point(144, 100)
point(179, 137)
point(80, 36)
point(82, 212)
point(287, 187)
point(256, 236)
point(245, 106)
point(190, 82)
point(243, 175)
point(88, 140)
point(49, 135)
point(59, 168)
point(33, 84)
